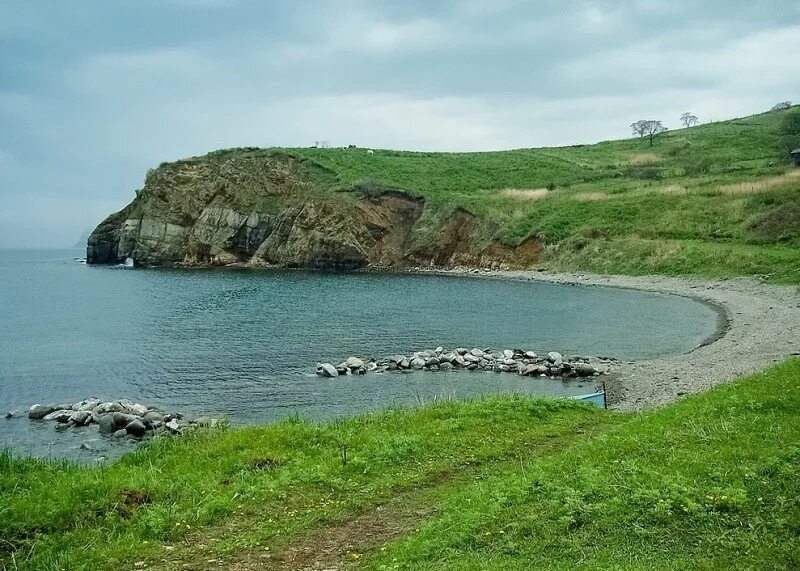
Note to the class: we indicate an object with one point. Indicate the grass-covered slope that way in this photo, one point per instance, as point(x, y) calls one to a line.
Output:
point(717, 199)
point(502, 483)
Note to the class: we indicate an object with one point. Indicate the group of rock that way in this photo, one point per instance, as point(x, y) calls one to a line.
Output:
point(526, 363)
point(120, 418)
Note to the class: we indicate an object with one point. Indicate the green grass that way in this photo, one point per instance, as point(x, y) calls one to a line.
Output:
point(719, 199)
point(707, 483)
point(670, 202)
point(59, 515)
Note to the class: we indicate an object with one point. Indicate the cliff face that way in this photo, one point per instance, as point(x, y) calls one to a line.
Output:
point(257, 208)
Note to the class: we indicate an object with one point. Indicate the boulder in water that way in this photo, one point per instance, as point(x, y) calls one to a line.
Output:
point(136, 428)
point(39, 411)
point(354, 363)
point(327, 370)
point(59, 415)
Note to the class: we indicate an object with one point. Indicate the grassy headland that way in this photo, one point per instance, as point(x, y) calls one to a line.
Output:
point(719, 199)
point(709, 482)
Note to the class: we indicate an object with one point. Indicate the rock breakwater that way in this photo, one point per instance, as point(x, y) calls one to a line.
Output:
point(521, 362)
point(122, 418)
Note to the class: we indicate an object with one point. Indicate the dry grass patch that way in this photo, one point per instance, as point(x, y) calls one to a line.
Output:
point(590, 196)
point(761, 185)
point(525, 193)
point(643, 159)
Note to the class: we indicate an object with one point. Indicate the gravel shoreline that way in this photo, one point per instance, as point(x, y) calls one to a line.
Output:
point(759, 326)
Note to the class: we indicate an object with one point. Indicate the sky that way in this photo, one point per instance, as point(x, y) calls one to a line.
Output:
point(95, 92)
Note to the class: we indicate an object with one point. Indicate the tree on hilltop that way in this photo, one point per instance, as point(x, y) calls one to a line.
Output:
point(689, 119)
point(648, 128)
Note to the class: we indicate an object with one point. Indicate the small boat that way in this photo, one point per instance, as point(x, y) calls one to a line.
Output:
point(597, 399)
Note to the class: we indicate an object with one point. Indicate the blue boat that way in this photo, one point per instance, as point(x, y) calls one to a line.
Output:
point(597, 399)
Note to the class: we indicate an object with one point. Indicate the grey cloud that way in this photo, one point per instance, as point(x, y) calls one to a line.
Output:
point(93, 93)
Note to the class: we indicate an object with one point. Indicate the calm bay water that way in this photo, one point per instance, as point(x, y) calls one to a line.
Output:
point(244, 343)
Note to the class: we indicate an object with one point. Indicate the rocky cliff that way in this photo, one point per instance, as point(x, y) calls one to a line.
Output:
point(259, 207)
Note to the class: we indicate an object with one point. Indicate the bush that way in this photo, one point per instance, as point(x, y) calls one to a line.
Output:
point(696, 167)
point(789, 134)
point(644, 173)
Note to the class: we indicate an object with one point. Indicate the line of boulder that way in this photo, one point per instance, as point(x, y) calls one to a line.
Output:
point(122, 418)
point(525, 363)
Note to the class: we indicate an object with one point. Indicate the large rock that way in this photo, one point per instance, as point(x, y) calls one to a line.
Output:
point(89, 405)
point(555, 357)
point(105, 407)
point(153, 418)
point(80, 417)
point(354, 363)
point(60, 415)
point(107, 424)
point(137, 409)
point(136, 428)
point(327, 370)
point(114, 421)
point(417, 363)
point(39, 411)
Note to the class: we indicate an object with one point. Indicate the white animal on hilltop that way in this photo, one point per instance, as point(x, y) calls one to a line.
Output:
point(370, 152)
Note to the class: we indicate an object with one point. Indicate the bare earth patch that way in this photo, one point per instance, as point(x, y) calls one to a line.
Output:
point(525, 193)
point(339, 545)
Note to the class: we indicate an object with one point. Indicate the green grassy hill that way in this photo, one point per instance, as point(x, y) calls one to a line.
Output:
point(716, 199)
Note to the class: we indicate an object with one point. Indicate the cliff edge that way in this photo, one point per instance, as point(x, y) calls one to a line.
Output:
point(258, 207)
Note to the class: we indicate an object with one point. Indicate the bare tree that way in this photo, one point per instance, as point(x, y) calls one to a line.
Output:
point(322, 144)
point(648, 128)
point(689, 119)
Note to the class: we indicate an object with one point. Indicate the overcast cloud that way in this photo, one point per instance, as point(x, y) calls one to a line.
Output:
point(94, 92)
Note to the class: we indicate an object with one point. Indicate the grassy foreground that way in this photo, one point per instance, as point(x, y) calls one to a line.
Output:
point(707, 483)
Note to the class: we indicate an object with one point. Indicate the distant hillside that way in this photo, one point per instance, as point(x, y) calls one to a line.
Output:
point(83, 239)
point(715, 199)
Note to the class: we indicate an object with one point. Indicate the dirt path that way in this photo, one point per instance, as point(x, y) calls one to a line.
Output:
point(342, 544)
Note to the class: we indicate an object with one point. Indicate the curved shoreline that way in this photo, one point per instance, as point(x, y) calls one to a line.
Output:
point(759, 326)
